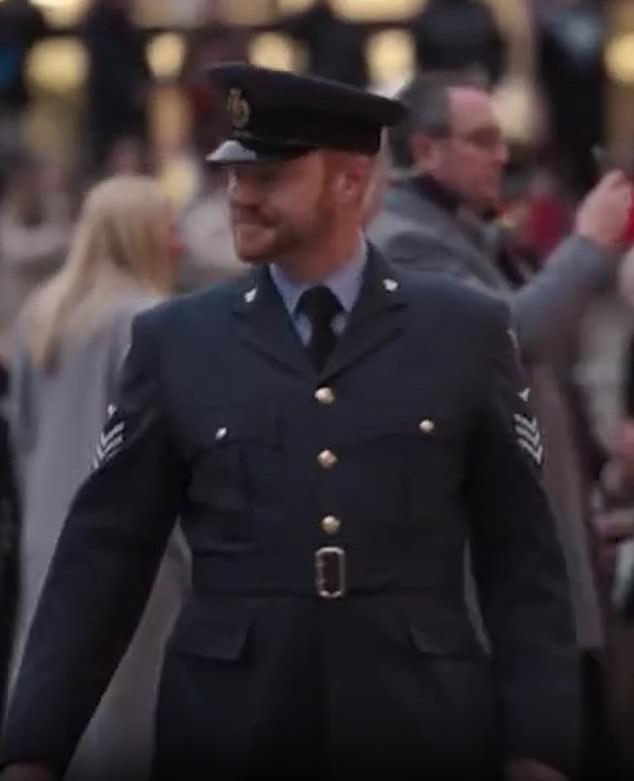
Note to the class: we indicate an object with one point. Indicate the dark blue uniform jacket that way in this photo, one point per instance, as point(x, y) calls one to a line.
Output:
point(291, 487)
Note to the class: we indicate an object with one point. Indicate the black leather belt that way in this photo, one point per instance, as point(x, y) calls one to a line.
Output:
point(328, 573)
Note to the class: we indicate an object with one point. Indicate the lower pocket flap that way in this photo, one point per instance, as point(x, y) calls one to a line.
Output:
point(214, 632)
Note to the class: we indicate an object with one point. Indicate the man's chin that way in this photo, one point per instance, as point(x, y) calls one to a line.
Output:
point(256, 256)
point(252, 260)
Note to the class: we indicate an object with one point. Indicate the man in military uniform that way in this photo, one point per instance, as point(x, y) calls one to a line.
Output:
point(330, 433)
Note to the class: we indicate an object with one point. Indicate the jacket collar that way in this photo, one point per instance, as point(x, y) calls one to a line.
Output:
point(266, 326)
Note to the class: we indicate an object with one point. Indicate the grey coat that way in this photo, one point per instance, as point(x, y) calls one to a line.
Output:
point(55, 424)
point(414, 232)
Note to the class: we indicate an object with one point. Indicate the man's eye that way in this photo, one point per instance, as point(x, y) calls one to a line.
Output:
point(485, 137)
point(267, 176)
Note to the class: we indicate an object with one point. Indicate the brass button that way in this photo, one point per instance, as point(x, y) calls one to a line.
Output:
point(325, 395)
point(427, 426)
point(327, 459)
point(330, 524)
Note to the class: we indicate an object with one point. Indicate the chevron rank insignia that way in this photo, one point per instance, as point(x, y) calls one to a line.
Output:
point(111, 438)
point(529, 437)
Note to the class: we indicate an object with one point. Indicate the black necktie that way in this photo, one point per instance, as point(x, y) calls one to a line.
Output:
point(320, 305)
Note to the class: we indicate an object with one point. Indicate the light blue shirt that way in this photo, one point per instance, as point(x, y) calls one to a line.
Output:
point(345, 283)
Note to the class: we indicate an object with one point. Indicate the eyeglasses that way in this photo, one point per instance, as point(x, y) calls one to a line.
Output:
point(484, 138)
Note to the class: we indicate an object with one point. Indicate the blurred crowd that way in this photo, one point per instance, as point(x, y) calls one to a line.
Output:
point(546, 175)
point(73, 272)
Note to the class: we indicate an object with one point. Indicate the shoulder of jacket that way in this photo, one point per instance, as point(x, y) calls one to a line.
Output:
point(457, 298)
point(389, 226)
point(210, 302)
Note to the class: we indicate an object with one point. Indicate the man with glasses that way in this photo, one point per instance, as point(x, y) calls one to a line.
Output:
point(451, 155)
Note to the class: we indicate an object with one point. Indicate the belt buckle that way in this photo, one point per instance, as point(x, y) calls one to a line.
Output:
point(330, 561)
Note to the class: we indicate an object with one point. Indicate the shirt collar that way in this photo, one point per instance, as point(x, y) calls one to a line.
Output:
point(447, 200)
point(345, 282)
point(436, 192)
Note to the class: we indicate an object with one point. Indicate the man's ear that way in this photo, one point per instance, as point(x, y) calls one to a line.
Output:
point(351, 180)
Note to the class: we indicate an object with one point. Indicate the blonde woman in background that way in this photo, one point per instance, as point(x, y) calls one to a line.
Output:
point(70, 343)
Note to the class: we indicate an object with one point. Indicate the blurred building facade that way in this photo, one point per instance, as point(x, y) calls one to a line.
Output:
point(539, 55)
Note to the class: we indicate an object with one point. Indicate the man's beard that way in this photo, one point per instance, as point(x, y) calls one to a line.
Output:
point(282, 240)
point(287, 239)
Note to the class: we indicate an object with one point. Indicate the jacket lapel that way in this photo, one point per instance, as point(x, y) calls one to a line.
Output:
point(265, 325)
point(373, 321)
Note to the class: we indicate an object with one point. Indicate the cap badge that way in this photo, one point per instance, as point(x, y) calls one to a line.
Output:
point(238, 108)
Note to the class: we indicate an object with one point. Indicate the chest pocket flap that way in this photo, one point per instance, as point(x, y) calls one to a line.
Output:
point(409, 419)
point(221, 428)
point(231, 444)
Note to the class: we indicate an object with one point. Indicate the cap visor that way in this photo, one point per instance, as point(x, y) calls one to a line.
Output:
point(236, 153)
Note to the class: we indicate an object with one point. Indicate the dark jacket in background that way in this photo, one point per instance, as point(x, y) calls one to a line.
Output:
point(570, 40)
point(335, 47)
point(459, 34)
point(117, 80)
point(21, 25)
